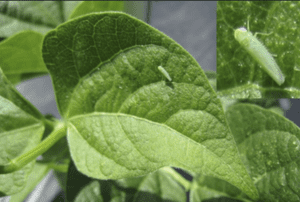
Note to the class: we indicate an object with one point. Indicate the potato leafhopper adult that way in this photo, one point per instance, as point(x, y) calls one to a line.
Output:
point(259, 53)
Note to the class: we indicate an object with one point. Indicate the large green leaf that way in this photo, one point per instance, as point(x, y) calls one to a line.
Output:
point(20, 131)
point(86, 7)
point(108, 62)
point(239, 75)
point(21, 55)
point(270, 148)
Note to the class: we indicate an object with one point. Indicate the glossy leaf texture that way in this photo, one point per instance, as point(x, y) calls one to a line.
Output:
point(38, 16)
point(239, 75)
point(270, 148)
point(20, 131)
point(86, 7)
point(105, 73)
point(21, 56)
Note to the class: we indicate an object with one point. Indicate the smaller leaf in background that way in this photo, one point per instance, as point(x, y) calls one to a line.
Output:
point(270, 148)
point(39, 16)
point(212, 78)
point(17, 78)
point(90, 192)
point(8, 91)
point(157, 186)
point(21, 56)
point(86, 7)
point(68, 8)
point(206, 187)
point(76, 181)
point(38, 173)
point(20, 131)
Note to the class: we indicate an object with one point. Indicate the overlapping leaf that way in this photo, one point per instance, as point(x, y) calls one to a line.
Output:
point(38, 173)
point(208, 188)
point(270, 148)
point(86, 7)
point(21, 56)
point(157, 186)
point(38, 16)
point(108, 62)
point(20, 131)
point(91, 193)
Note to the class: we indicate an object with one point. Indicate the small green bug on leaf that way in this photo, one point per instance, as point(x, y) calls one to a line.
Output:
point(164, 72)
point(259, 52)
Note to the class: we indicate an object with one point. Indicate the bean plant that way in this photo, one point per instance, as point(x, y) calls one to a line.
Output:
point(137, 111)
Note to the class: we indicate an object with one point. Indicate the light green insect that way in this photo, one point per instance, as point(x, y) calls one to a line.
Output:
point(259, 52)
point(164, 72)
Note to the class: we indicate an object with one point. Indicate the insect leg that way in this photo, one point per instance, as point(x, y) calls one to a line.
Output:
point(261, 33)
point(248, 27)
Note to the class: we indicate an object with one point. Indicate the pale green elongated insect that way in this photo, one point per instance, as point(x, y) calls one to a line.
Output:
point(164, 72)
point(260, 53)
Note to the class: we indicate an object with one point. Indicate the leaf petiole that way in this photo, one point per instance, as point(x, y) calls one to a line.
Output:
point(19, 162)
point(179, 178)
point(63, 168)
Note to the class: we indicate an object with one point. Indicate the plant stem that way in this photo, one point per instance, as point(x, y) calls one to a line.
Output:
point(50, 125)
point(181, 180)
point(63, 168)
point(19, 162)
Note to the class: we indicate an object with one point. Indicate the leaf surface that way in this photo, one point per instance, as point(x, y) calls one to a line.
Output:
point(113, 146)
point(38, 173)
point(38, 16)
point(209, 188)
point(106, 79)
point(9, 92)
point(16, 139)
point(91, 193)
point(21, 55)
point(20, 131)
point(86, 7)
point(239, 75)
point(157, 186)
point(270, 149)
